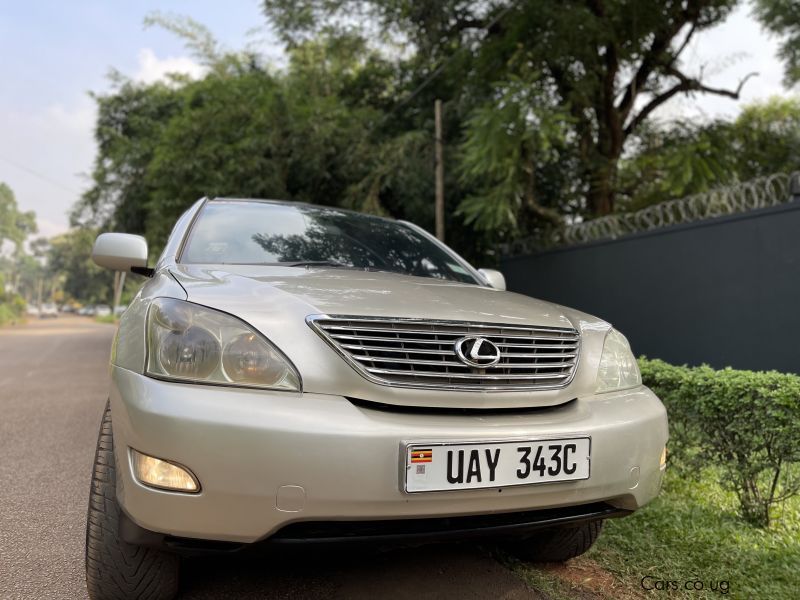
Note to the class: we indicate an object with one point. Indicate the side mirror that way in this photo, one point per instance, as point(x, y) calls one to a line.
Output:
point(494, 278)
point(120, 252)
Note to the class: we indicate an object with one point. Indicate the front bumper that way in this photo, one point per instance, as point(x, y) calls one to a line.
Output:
point(266, 460)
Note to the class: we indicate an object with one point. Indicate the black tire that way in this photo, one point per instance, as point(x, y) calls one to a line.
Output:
point(557, 545)
point(115, 569)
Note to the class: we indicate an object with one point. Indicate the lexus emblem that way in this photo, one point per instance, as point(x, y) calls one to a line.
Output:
point(477, 352)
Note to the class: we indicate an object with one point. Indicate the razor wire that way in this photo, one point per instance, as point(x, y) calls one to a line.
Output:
point(757, 193)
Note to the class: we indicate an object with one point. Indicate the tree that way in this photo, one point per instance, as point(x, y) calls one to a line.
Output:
point(608, 63)
point(15, 225)
point(782, 17)
point(69, 256)
point(28, 274)
point(315, 131)
point(684, 158)
point(259, 135)
point(514, 157)
point(548, 116)
point(765, 138)
point(129, 123)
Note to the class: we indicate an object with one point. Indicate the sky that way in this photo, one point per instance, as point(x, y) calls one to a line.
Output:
point(54, 53)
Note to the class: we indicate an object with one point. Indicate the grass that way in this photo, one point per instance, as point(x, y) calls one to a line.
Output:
point(690, 533)
point(106, 319)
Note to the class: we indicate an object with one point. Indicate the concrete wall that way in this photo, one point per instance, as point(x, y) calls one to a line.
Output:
point(723, 291)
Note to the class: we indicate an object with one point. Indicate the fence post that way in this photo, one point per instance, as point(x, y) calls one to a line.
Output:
point(437, 108)
point(794, 188)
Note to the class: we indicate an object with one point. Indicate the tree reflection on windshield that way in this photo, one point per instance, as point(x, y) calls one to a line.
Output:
point(244, 232)
point(323, 240)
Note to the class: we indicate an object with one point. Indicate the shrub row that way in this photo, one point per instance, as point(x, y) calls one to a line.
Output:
point(747, 423)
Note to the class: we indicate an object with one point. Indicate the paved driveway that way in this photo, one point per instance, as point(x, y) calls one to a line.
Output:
point(53, 387)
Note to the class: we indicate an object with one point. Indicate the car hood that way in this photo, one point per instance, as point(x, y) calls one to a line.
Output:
point(354, 292)
point(277, 301)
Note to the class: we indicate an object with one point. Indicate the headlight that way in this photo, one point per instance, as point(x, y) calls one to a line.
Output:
point(188, 342)
point(618, 369)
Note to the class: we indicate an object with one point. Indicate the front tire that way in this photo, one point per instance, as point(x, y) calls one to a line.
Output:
point(557, 545)
point(116, 570)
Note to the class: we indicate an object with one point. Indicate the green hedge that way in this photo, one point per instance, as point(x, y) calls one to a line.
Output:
point(747, 423)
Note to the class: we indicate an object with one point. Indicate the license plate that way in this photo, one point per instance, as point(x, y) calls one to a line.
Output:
point(443, 466)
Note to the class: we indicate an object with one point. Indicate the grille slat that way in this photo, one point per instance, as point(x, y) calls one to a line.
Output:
point(384, 321)
point(455, 333)
point(437, 352)
point(454, 363)
point(570, 346)
point(409, 361)
point(369, 338)
point(471, 376)
point(402, 352)
point(535, 355)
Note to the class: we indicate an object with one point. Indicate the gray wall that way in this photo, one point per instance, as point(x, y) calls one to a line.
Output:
point(723, 291)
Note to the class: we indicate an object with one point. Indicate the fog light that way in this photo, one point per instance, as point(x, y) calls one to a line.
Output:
point(663, 462)
point(163, 474)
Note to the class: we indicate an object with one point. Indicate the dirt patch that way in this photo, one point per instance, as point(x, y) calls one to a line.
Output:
point(587, 577)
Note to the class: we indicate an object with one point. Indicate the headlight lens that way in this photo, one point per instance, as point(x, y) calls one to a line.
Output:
point(193, 353)
point(188, 342)
point(618, 369)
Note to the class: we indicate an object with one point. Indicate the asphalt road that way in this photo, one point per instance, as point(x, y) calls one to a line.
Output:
point(53, 387)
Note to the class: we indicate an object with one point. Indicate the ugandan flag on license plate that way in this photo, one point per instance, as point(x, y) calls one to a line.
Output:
point(421, 455)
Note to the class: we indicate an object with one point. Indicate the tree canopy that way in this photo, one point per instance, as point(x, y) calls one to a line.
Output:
point(689, 158)
point(782, 18)
point(17, 268)
point(601, 67)
point(549, 116)
point(68, 256)
point(15, 225)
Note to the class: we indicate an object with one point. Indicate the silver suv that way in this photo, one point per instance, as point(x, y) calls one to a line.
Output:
point(293, 372)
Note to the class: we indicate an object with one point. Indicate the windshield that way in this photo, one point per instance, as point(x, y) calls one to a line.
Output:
point(257, 233)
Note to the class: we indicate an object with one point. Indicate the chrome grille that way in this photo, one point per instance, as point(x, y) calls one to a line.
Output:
point(420, 353)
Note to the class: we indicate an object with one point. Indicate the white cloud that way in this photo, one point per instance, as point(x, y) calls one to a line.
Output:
point(152, 68)
point(45, 154)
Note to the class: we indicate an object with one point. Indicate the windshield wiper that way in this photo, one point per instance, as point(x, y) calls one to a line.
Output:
point(316, 263)
point(333, 264)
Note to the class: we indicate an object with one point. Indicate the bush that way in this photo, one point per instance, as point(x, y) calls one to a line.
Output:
point(12, 308)
point(746, 422)
point(18, 305)
point(7, 315)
